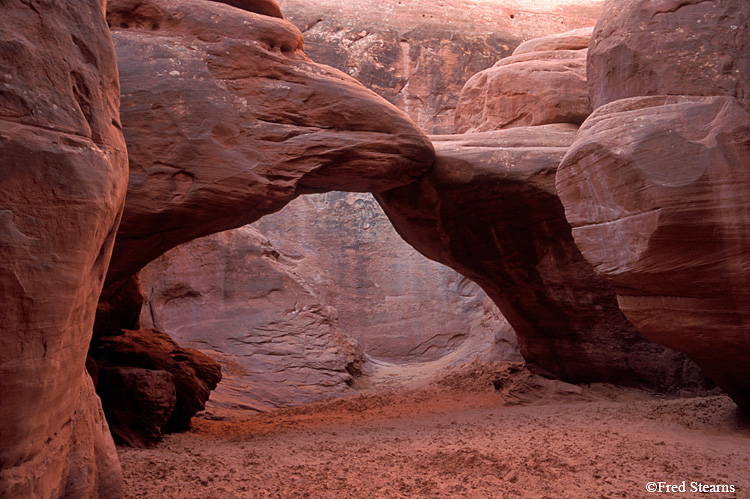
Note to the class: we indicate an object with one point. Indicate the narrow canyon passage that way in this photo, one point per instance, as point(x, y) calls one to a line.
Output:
point(581, 168)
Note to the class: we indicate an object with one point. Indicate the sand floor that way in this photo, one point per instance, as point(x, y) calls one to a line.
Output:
point(454, 435)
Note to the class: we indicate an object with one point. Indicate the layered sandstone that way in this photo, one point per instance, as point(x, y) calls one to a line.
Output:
point(236, 298)
point(543, 82)
point(417, 54)
point(490, 210)
point(655, 185)
point(62, 189)
point(227, 120)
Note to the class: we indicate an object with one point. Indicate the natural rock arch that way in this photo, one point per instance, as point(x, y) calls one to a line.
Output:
point(314, 126)
point(276, 125)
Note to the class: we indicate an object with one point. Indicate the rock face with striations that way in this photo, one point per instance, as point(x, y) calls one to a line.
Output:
point(657, 181)
point(227, 120)
point(62, 189)
point(419, 54)
point(234, 297)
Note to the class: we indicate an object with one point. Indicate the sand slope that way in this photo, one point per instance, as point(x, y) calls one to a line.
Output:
point(453, 435)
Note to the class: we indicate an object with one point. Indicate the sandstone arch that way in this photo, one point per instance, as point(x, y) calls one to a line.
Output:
point(229, 123)
point(276, 125)
point(287, 126)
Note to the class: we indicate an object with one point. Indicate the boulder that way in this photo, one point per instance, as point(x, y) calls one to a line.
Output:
point(62, 189)
point(418, 54)
point(192, 374)
point(656, 186)
point(137, 403)
point(543, 82)
point(119, 306)
point(656, 191)
point(489, 209)
point(227, 120)
point(576, 39)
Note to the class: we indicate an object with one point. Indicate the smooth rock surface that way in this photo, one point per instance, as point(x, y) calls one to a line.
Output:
point(400, 306)
point(656, 186)
point(656, 191)
point(418, 54)
point(542, 83)
point(227, 120)
point(62, 189)
point(234, 297)
point(489, 209)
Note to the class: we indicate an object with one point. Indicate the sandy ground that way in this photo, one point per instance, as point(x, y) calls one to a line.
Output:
point(451, 434)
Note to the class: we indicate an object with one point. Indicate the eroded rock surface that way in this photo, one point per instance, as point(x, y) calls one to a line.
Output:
point(489, 209)
point(62, 189)
point(418, 54)
point(188, 374)
point(670, 47)
point(543, 82)
point(234, 297)
point(655, 186)
point(400, 306)
point(227, 120)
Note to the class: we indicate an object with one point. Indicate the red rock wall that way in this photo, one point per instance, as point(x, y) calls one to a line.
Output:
point(418, 54)
point(289, 311)
point(400, 306)
point(62, 189)
point(656, 183)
